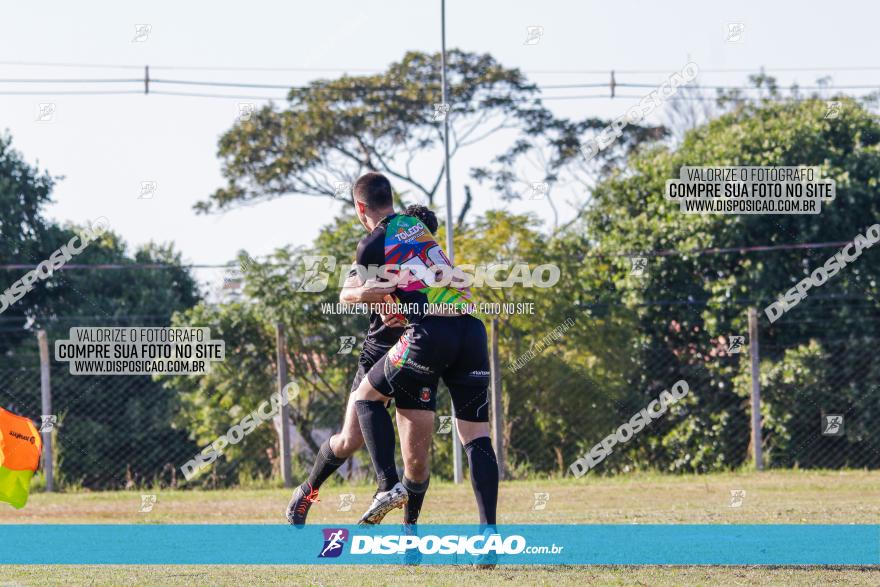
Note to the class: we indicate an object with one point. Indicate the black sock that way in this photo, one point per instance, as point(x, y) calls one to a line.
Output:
point(416, 493)
point(484, 477)
point(325, 465)
point(378, 434)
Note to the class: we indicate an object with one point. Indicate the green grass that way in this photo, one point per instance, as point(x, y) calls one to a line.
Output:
point(364, 576)
point(789, 497)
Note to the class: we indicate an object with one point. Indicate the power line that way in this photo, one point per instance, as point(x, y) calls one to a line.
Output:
point(221, 96)
point(721, 250)
point(57, 80)
point(190, 67)
point(180, 82)
point(51, 93)
point(69, 92)
point(606, 71)
point(671, 99)
point(253, 85)
point(759, 69)
point(67, 64)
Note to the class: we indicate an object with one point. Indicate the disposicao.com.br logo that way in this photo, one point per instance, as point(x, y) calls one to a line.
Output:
point(430, 544)
point(334, 540)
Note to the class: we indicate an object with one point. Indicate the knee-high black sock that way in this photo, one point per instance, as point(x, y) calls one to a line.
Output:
point(416, 493)
point(325, 465)
point(378, 434)
point(484, 477)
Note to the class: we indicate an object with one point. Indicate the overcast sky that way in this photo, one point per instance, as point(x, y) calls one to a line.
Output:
point(106, 146)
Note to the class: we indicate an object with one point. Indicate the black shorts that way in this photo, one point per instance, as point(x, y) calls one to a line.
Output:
point(373, 353)
point(454, 348)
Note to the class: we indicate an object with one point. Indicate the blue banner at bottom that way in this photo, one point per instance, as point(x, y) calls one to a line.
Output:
point(442, 544)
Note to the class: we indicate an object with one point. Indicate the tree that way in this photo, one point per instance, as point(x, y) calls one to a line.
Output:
point(24, 190)
point(688, 303)
point(273, 294)
point(332, 130)
point(112, 431)
point(550, 152)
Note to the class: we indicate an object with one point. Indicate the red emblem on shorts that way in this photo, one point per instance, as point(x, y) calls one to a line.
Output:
point(426, 394)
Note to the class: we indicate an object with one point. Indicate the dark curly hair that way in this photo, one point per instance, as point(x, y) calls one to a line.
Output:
point(423, 213)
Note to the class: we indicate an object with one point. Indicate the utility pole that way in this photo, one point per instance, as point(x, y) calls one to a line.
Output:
point(450, 252)
point(46, 397)
point(755, 359)
point(281, 350)
point(496, 401)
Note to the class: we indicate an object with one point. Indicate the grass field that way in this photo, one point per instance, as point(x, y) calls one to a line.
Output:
point(788, 497)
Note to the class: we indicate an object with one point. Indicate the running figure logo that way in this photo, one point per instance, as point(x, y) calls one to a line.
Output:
point(736, 344)
point(445, 426)
point(346, 500)
point(341, 189)
point(46, 112)
point(334, 539)
point(833, 110)
point(246, 111)
point(533, 35)
point(440, 112)
point(539, 190)
point(541, 500)
point(147, 503)
point(737, 497)
point(148, 190)
point(317, 273)
point(735, 32)
point(832, 425)
point(48, 422)
point(346, 345)
point(639, 264)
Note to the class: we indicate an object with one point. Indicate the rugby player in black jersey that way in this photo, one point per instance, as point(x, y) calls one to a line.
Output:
point(447, 343)
point(383, 332)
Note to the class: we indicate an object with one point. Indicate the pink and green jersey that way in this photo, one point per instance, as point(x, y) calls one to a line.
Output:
point(406, 242)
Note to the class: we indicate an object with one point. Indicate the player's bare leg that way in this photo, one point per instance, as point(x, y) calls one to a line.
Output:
point(416, 429)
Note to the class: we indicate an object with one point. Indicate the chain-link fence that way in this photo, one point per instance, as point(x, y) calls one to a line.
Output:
point(615, 410)
point(819, 397)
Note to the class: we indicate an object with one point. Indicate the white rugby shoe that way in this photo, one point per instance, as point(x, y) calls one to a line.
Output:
point(384, 502)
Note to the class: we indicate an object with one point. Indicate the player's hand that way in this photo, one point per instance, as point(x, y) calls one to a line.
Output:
point(374, 290)
point(392, 319)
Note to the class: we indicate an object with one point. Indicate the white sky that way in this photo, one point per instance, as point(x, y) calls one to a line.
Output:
point(105, 146)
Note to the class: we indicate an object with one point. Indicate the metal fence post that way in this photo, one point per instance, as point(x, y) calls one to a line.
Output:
point(281, 346)
point(46, 396)
point(754, 356)
point(497, 415)
point(457, 460)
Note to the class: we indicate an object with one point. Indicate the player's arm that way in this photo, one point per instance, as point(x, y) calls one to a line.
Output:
point(355, 291)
